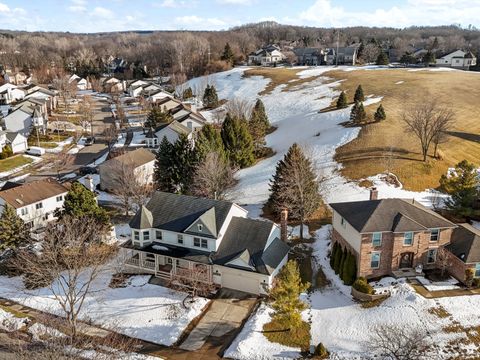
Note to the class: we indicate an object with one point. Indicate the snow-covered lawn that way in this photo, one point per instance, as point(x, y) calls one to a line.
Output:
point(10, 323)
point(140, 310)
point(449, 284)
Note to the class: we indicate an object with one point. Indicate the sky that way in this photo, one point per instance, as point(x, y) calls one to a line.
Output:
point(122, 15)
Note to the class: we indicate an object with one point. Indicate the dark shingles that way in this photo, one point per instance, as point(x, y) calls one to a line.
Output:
point(465, 243)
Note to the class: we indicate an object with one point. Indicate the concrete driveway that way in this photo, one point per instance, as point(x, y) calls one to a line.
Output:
point(225, 315)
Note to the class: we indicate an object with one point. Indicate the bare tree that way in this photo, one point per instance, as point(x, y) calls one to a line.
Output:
point(196, 280)
point(111, 135)
point(401, 343)
point(71, 259)
point(86, 110)
point(62, 160)
point(428, 121)
point(214, 177)
point(444, 260)
point(65, 88)
point(239, 108)
point(130, 183)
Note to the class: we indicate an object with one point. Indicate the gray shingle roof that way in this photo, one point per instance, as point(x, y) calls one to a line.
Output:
point(390, 215)
point(176, 213)
point(465, 243)
point(252, 235)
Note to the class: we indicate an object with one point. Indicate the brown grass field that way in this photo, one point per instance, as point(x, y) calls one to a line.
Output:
point(386, 146)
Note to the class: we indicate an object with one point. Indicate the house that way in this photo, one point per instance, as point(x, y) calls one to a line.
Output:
point(26, 115)
point(389, 235)
point(17, 141)
point(458, 59)
point(465, 250)
point(157, 95)
point(10, 93)
point(114, 85)
point(49, 96)
point(347, 55)
point(310, 56)
point(140, 161)
point(266, 56)
point(35, 202)
point(179, 236)
point(171, 131)
point(81, 83)
point(184, 114)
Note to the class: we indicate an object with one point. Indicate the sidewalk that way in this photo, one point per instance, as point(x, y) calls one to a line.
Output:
point(419, 288)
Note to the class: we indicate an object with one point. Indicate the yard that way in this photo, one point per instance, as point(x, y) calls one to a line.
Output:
point(385, 145)
point(14, 162)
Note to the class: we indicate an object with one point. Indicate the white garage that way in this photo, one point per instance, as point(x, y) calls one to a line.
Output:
point(242, 283)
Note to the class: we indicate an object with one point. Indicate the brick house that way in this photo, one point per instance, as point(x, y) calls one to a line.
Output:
point(465, 251)
point(390, 235)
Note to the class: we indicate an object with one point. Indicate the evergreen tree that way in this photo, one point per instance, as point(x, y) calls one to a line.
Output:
point(187, 93)
point(382, 59)
point(228, 55)
point(157, 117)
point(80, 202)
point(238, 142)
point(210, 97)
point(184, 161)
point(13, 231)
point(285, 295)
point(349, 269)
point(294, 186)
point(380, 114)
point(337, 260)
point(209, 140)
point(359, 97)
point(429, 58)
point(358, 114)
point(333, 253)
point(462, 186)
point(258, 125)
point(163, 170)
point(342, 102)
point(342, 263)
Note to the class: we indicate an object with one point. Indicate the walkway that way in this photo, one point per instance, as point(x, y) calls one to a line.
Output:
point(419, 288)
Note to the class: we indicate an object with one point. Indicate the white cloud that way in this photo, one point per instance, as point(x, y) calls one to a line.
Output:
point(413, 12)
point(195, 22)
point(102, 12)
point(4, 8)
point(235, 2)
point(175, 4)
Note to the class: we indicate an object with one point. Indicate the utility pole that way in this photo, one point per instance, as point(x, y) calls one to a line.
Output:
point(336, 54)
point(209, 53)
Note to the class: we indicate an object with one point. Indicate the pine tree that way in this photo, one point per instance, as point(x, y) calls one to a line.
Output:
point(285, 296)
point(462, 186)
point(228, 55)
point(382, 59)
point(163, 171)
point(349, 269)
point(210, 97)
point(342, 262)
point(157, 116)
point(209, 140)
point(342, 102)
point(359, 97)
point(258, 125)
point(13, 231)
point(429, 58)
point(187, 93)
point(333, 253)
point(80, 201)
point(294, 186)
point(358, 114)
point(184, 161)
point(338, 259)
point(380, 114)
point(238, 142)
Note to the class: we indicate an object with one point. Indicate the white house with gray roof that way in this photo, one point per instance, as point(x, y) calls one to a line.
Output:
point(175, 235)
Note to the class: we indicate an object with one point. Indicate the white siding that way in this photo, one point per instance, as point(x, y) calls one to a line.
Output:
point(351, 235)
point(237, 279)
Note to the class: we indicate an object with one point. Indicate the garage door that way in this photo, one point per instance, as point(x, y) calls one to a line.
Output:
point(242, 283)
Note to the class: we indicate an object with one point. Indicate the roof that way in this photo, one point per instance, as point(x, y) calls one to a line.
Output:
point(176, 213)
point(136, 158)
point(465, 243)
point(245, 237)
point(32, 193)
point(175, 126)
point(11, 136)
point(397, 215)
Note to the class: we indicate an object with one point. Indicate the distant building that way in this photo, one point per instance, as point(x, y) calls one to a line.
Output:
point(346, 55)
point(17, 141)
point(269, 55)
point(310, 56)
point(458, 59)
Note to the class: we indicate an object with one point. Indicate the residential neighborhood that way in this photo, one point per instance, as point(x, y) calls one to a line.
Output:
point(202, 189)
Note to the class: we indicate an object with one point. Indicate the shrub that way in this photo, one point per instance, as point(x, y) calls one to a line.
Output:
point(342, 102)
point(469, 274)
point(333, 253)
point(342, 262)
point(349, 269)
point(338, 259)
point(476, 283)
point(321, 351)
point(363, 286)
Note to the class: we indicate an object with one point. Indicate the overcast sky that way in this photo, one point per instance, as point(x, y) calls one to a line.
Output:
point(115, 15)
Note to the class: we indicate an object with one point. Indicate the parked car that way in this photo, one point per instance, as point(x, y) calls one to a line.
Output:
point(89, 141)
point(35, 151)
point(87, 170)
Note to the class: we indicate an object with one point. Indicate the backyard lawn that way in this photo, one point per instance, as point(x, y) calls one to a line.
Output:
point(14, 162)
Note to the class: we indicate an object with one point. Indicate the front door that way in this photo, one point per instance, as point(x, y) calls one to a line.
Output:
point(406, 260)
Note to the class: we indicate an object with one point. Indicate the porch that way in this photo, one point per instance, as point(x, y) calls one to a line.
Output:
point(168, 267)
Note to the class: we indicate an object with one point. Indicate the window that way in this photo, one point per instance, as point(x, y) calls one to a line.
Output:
point(375, 260)
point(200, 227)
point(24, 211)
point(408, 238)
point(45, 217)
point(196, 242)
point(431, 256)
point(59, 198)
point(434, 234)
point(343, 222)
point(136, 235)
point(377, 239)
point(180, 239)
point(146, 235)
point(477, 270)
point(38, 205)
point(204, 244)
point(158, 235)
point(169, 261)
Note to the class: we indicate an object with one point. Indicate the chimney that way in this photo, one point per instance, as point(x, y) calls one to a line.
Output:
point(89, 183)
point(373, 193)
point(283, 225)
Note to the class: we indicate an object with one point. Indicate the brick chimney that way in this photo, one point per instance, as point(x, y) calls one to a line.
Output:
point(283, 225)
point(373, 193)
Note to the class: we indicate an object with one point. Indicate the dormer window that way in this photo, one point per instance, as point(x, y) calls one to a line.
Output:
point(200, 227)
